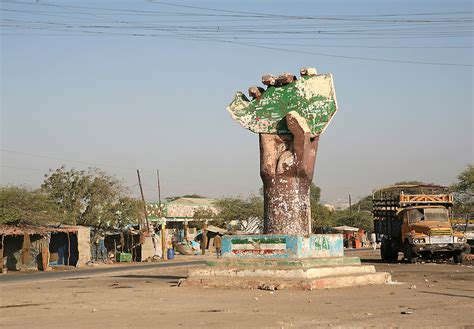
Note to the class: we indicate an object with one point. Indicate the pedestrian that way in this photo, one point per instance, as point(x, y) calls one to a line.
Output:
point(363, 238)
point(218, 245)
point(373, 240)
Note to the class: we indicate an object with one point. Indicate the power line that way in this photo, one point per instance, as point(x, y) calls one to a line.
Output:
point(202, 38)
point(292, 16)
point(191, 33)
point(63, 159)
point(248, 14)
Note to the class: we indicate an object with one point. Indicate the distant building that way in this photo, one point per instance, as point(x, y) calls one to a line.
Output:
point(336, 206)
point(330, 207)
point(180, 210)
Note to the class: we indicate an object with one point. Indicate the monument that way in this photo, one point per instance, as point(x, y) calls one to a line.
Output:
point(289, 115)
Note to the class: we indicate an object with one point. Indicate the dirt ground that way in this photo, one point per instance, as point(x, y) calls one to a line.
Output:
point(424, 295)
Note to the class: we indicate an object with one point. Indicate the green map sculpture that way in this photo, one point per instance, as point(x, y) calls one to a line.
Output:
point(313, 97)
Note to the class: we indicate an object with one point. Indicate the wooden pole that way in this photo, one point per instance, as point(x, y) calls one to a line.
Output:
point(159, 188)
point(143, 199)
point(1, 254)
point(185, 230)
point(350, 205)
point(204, 238)
point(68, 248)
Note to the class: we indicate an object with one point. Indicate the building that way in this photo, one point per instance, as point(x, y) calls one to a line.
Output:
point(181, 209)
point(28, 247)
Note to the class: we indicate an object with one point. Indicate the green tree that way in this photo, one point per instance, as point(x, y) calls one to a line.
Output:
point(125, 211)
point(362, 219)
point(89, 197)
point(23, 205)
point(464, 192)
point(364, 204)
point(314, 193)
point(202, 214)
point(240, 209)
point(320, 215)
point(67, 188)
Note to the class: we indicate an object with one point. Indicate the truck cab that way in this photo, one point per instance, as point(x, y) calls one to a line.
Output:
point(427, 232)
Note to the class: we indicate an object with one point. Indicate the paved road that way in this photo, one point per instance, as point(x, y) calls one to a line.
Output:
point(92, 271)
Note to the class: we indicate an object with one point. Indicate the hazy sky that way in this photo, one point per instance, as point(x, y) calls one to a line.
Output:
point(147, 87)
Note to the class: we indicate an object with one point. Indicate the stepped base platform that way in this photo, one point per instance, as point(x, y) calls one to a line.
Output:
point(273, 262)
point(305, 274)
point(279, 283)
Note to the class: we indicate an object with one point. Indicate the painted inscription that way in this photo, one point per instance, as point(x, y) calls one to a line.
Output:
point(258, 245)
point(321, 243)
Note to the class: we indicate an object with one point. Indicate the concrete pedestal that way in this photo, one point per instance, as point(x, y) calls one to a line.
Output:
point(272, 246)
point(284, 261)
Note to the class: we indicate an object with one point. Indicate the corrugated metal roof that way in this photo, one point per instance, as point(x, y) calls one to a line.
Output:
point(204, 202)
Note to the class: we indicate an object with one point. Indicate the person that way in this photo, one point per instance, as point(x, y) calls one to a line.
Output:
point(218, 245)
point(363, 239)
point(373, 240)
point(102, 248)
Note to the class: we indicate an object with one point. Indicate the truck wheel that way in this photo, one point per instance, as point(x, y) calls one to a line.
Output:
point(393, 254)
point(389, 254)
point(457, 258)
point(384, 250)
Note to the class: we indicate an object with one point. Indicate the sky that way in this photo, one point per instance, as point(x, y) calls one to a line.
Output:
point(122, 85)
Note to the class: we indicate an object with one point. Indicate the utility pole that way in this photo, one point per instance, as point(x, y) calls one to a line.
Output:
point(158, 189)
point(164, 247)
point(204, 238)
point(350, 206)
point(143, 199)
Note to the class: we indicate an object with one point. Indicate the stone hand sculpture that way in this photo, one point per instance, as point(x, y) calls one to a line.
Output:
point(289, 116)
point(286, 168)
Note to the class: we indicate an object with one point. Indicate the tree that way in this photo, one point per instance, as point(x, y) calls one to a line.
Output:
point(203, 214)
point(314, 193)
point(22, 205)
point(464, 192)
point(240, 209)
point(320, 215)
point(125, 211)
point(364, 204)
point(89, 197)
point(67, 188)
point(361, 219)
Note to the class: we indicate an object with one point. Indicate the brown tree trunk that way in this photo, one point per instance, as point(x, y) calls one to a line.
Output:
point(286, 169)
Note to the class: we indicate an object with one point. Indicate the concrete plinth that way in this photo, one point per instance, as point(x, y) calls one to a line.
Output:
point(281, 246)
point(284, 261)
point(281, 283)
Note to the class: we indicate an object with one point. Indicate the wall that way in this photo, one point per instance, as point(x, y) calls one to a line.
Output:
point(83, 245)
point(282, 246)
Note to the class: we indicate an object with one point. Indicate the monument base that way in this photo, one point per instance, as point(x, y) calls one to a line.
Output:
point(273, 262)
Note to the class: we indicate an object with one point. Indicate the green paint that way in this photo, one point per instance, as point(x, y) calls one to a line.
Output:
point(313, 98)
point(321, 243)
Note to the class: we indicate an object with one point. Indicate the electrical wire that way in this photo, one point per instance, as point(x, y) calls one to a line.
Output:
point(396, 26)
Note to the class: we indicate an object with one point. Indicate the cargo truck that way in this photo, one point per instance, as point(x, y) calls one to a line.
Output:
point(414, 220)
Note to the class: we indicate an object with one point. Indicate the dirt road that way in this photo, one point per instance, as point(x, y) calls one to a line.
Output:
point(425, 295)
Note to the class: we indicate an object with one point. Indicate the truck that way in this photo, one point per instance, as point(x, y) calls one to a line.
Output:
point(414, 219)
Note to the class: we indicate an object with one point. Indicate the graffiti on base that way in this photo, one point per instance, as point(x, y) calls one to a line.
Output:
point(321, 243)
